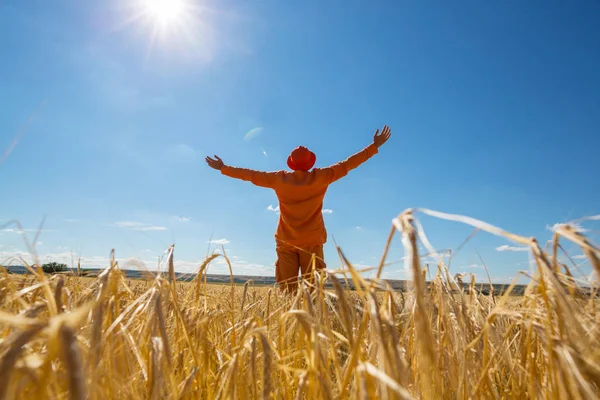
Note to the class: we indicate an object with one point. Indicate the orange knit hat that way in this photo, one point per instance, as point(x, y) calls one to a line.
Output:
point(301, 159)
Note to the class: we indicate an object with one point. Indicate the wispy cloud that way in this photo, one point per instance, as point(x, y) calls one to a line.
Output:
point(219, 241)
point(138, 226)
point(19, 134)
point(579, 257)
point(161, 101)
point(265, 153)
point(588, 218)
point(23, 231)
point(511, 248)
point(474, 266)
point(181, 153)
point(12, 230)
point(116, 82)
point(276, 210)
point(327, 211)
point(251, 134)
point(359, 228)
point(183, 219)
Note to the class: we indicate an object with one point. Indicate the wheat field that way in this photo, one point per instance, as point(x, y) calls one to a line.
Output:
point(108, 337)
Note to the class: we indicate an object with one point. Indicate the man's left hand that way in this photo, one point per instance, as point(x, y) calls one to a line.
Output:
point(215, 163)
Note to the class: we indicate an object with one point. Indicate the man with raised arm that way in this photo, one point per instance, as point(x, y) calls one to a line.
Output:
point(301, 231)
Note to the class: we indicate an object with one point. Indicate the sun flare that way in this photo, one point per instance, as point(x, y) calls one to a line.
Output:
point(165, 11)
point(181, 28)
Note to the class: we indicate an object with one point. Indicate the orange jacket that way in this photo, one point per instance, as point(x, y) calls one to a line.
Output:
point(301, 196)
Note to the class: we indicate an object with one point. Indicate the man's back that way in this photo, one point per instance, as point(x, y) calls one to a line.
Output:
point(300, 197)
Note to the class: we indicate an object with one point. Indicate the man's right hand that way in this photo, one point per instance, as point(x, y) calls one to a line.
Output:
point(380, 138)
point(215, 163)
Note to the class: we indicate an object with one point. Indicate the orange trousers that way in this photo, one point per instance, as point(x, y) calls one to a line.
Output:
point(291, 260)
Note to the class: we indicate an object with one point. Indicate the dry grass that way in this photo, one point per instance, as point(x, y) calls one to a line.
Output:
point(70, 337)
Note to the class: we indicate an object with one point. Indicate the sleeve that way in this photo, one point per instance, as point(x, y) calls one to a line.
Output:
point(341, 169)
point(263, 179)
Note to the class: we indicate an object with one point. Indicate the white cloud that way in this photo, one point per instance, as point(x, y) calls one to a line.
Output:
point(512, 248)
point(39, 243)
point(219, 241)
point(265, 153)
point(473, 266)
point(276, 210)
point(23, 231)
point(138, 226)
point(14, 258)
point(579, 257)
point(128, 224)
point(218, 266)
point(327, 211)
point(359, 228)
point(12, 230)
point(253, 133)
point(93, 262)
point(150, 228)
point(183, 219)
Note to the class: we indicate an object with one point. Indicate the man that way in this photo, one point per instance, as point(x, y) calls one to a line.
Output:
point(301, 232)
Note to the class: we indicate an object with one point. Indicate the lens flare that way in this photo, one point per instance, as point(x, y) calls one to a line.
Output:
point(165, 11)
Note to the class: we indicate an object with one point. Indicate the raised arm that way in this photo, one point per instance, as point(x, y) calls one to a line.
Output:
point(341, 169)
point(263, 179)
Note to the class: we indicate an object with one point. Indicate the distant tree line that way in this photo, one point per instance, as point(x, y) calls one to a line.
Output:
point(53, 267)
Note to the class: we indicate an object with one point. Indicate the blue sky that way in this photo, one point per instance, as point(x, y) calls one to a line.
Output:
point(105, 121)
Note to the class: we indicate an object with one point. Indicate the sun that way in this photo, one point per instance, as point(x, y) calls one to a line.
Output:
point(179, 28)
point(165, 12)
